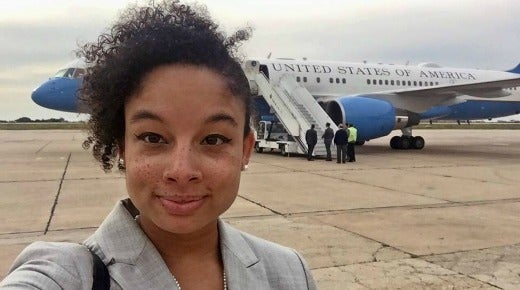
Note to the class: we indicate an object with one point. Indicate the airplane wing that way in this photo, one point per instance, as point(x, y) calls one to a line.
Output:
point(421, 99)
point(489, 89)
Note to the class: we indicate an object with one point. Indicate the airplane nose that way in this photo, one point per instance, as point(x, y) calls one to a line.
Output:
point(57, 94)
point(42, 95)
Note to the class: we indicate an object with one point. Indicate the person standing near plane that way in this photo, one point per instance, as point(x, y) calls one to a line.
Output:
point(340, 140)
point(352, 138)
point(311, 137)
point(327, 137)
point(170, 107)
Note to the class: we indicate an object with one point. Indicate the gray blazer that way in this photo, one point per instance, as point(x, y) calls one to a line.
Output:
point(134, 262)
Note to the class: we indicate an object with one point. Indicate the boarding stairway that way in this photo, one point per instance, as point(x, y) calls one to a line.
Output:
point(294, 106)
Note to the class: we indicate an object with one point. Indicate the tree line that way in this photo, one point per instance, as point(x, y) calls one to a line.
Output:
point(29, 120)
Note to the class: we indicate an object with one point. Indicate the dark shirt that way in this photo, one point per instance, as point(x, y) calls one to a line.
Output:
point(341, 137)
point(311, 136)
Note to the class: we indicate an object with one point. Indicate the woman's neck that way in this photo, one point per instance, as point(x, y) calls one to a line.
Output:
point(194, 259)
point(174, 247)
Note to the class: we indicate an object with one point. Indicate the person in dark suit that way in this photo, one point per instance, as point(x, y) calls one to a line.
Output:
point(340, 140)
point(311, 137)
point(327, 137)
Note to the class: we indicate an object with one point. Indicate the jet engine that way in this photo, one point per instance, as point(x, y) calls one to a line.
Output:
point(373, 118)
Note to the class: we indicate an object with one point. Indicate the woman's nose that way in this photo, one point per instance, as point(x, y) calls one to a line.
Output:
point(182, 165)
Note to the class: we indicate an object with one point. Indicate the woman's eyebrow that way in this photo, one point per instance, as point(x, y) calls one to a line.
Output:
point(145, 115)
point(222, 117)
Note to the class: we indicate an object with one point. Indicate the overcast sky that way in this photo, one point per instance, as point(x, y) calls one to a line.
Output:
point(38, 37)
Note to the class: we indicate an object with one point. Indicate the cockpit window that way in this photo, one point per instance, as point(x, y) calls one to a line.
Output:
point(78, 73)
point(60, 73)
point(68, 73)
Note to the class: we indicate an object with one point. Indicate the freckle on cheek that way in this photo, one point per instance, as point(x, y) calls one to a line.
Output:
point(144, 171)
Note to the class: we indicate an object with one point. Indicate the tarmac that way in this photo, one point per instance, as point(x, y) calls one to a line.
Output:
point(445, 217)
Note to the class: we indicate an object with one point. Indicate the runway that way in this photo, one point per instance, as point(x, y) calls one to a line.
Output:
point(445, 217)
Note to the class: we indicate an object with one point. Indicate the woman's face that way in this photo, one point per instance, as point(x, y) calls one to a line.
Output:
point(184, 148)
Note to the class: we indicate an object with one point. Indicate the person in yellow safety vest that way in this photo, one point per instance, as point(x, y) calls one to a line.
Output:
point(352, 138)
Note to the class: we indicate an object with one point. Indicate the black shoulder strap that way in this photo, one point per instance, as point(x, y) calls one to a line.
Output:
point(101, 276)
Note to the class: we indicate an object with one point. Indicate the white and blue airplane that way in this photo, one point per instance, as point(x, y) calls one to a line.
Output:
point(376, 98)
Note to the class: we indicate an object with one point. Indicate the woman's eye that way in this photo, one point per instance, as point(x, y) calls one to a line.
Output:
point(149, 137)
point(215, 140)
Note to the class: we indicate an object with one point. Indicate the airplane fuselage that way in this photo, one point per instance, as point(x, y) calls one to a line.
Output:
point(330, 80)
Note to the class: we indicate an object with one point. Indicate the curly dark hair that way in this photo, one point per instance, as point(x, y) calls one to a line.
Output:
point(141, 40)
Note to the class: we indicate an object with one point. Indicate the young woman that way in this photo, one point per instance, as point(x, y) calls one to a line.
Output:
point(171, 106)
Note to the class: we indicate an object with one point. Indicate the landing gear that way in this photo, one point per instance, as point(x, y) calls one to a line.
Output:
point(407, 141)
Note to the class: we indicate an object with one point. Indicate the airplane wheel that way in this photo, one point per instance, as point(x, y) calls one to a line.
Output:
point(394, 142)
point(405, 142)
point(258, 149)
point(418, 142)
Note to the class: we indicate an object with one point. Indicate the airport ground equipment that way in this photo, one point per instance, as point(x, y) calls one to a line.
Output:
point(272, 136)
point(293, 105)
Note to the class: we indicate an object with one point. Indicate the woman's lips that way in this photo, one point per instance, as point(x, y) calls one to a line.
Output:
point(176, 205)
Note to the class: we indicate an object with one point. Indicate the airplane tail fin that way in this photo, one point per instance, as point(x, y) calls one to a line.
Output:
point(516, 70)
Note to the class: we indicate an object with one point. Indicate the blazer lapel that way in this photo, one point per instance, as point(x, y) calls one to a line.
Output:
point(131, 257)
point(243, 268)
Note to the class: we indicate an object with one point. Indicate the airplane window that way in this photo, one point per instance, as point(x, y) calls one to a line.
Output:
point(436, 83)
point(65, 73)
point(331, 80)
point(344, 81)
point(431, 83)
point(305, 79)
point(60, 73)
point(298, 79)
point(380, 82)
point(79, 72)
point(317, 80)
point(398, 82)
point(69, 73)
point(392, 82)
point(420, 83)
point(337, 80)
point(374, 82)
point(414, 83)
point(409, 83)
point(368, 82)
point(386, 82)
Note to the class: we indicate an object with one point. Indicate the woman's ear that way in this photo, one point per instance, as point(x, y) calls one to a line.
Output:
point(121, 155)
point(249, 143)
point(121, 149)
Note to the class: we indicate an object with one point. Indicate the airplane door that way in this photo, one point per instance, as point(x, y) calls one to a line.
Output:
point(264, 70)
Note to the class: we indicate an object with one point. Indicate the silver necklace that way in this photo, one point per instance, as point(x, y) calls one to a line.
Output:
point(223, 279)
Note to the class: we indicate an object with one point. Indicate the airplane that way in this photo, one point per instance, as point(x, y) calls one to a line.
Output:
point(60, 91)
point(376, 98)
